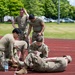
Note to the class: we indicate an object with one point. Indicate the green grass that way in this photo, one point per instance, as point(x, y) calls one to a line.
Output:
point(62, 31)
point(5, 28)
point(52, 30)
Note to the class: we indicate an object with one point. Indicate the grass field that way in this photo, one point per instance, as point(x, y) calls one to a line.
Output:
point(52, 30)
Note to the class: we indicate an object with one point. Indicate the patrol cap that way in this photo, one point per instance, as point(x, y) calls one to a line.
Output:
point(69, 58)
point(16, 30)
point(31, 16)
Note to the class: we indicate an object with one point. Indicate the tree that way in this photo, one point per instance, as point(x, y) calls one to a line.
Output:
point(71, 13)
point(14, 7)
point(50, 10)
point(3, 9)
point(34, 7)
point(10, 7)
point(64, 7)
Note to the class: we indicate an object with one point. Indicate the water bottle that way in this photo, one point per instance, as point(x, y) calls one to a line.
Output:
point(6, 67)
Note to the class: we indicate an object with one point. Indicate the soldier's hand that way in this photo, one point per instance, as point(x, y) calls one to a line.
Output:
point(14, 60)
point(25, 11)
point(37, 53)
point(16, 47)
point(39, 33)
point(26, 36)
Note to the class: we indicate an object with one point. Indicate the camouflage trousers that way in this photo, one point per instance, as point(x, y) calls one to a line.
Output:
point(35, 35)
point(32, 59)
point(23, 37)
point(1, 61)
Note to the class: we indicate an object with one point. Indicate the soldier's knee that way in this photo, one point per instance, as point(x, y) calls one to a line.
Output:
point(62, 62)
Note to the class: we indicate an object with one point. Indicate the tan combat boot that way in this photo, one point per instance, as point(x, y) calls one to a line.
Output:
point(22, 71)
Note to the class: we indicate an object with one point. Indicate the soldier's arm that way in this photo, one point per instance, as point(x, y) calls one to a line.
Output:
point(13, 23)
point(45, 52)
point(26, 13)
point(26, 30)
point(32, 47)
point(43, 27)
point(11, 48)
point(29, 30)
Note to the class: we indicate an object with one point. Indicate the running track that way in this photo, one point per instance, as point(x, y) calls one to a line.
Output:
point(58, 47)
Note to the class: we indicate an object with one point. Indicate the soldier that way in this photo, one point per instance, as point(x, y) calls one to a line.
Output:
point(7, 44)
point(37, 25)
point(22, 24)
point(39, 46)
point(36, 63)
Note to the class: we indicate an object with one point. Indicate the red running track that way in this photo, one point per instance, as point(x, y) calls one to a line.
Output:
point(58, 47)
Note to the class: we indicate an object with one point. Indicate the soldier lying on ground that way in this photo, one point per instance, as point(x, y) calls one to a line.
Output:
point(36, 63)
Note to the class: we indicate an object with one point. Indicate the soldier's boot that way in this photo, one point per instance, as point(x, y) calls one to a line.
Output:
point(22, 71)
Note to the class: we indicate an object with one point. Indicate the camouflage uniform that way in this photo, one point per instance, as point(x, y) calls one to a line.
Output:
point(37, 27)
point(22, 24)
point(7, 44)
point(43, 49)
point(40, 65)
